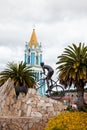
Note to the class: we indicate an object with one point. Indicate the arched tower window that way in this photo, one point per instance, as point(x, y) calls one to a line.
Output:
point(29, 56)
point(37, 58)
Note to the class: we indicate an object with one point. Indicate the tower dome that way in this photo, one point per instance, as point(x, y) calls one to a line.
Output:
point(33, 40)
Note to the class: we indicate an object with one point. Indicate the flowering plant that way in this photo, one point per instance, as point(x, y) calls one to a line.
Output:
point(68, 121)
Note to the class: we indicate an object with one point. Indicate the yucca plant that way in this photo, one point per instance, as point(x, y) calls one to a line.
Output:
point(72, 69)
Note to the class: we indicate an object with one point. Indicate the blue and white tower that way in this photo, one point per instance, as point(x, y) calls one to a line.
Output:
point(33, 57)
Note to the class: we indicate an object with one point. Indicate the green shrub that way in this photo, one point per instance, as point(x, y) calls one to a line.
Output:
point(68, 121)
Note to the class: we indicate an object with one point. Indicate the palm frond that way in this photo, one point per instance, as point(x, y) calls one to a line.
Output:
point(19, 73)
point(72, 64)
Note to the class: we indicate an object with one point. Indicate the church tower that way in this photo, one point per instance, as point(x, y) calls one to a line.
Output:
point(33, 57)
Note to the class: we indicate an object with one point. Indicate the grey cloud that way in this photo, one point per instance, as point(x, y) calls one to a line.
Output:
point(41, 10)
point(66, 9)
point(58, 23)
point(8, 54)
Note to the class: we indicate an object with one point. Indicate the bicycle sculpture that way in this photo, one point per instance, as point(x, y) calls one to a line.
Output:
point(54, 90)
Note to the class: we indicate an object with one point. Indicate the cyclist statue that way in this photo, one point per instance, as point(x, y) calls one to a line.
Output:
point(49, 74)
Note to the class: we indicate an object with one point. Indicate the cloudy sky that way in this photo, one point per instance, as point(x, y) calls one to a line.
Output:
point(58, 23)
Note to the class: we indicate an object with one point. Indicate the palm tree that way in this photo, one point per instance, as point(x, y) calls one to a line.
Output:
point(20, 73)
point(72, 68)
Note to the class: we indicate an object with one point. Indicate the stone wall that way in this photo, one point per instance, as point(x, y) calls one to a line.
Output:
point(22, 123)
point(30, 109)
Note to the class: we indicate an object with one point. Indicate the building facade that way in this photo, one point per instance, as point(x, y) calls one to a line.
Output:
point(33, 57)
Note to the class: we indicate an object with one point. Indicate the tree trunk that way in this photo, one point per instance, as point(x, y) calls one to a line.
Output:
point(80, 94)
